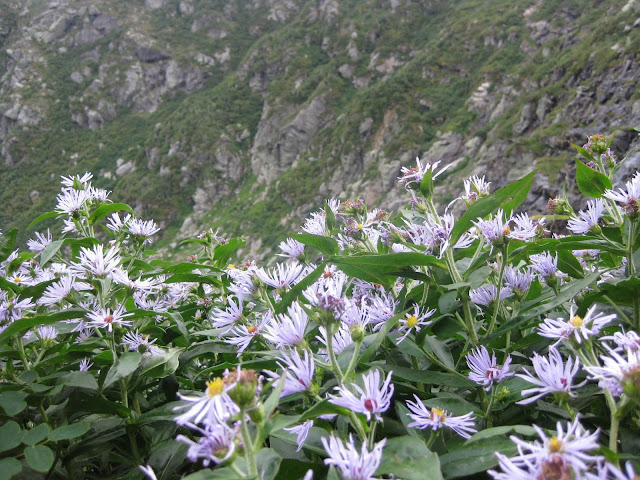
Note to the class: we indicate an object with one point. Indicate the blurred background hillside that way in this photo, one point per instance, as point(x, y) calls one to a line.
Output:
point(244, 115)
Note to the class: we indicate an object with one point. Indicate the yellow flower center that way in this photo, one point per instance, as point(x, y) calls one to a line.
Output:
point(437, 412)
point(576, 321)
point(215, 387)
point(231, 266)
point(252, 329)
point(412, 321)
point(507, 230)
point(17, 279)
point(555, 445)
point(359, 226)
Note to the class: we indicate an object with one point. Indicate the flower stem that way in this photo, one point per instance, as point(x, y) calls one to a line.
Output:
point(354, 359)
point(332, 356)
point(249, 452)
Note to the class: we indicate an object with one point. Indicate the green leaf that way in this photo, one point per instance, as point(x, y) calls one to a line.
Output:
point(475, 457)
point(9, 467)
point(382, 269)
point(40, 458)
point(20, 326)
point(104, 210)
point(569, 264)
point(79, 379)
point(13, 402)
point(584, 152)
point(591, 182)
point(68, 432)
point(160, 366)
point(268, 463)
point(9, 239)
point(441, 351)
point(36, 434)
point(49, 251)
point(222, 252)
point(40, 218)
point(126, 365)
point(428, 377)
point(426, 185)
point(408, 458)
point(10, 436)
point(508, 197)
point(326, 245)
point(525, 430)
point(271, 402)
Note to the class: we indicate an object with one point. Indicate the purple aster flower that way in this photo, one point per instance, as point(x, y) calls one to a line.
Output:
point(553, 376)
point(353, 465)
point(288, 330)
point(485, 370)
point(587, 219)
point(629, 198)
point(413, 321)
point(298, 372)
point(301, 432)
point(435, 418)
point(578, 328)
point(371, 401)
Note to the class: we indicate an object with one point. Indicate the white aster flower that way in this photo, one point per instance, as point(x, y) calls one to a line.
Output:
point(212, 408)
point(588, 219)
point(242, 335)
point(228, 317)
point(288, 330)
point(414, 175)
point(486, 296)
point(435, 418)
point(76, 180)
point(291, 248)
point(96, 261)
point(629, 198)
point(576, 327)
point(41, 241)
point(372, 401)
point(298, 372)
point(301, 432)
point(105, 318)
point(216, 445)
point(138, 342)
point(553, 376)
point(282, 276)
point(353, 465)
point(414, 321)
point(72, 201)
point(485, 370)
point(617, 370)
point(142, 229)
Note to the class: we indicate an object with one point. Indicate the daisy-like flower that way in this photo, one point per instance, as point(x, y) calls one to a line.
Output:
point(564, 455)
point(629, 198)
point(485, 370)
point(494, 230)
point(372, 401)
point(143, 230)
point(214, 407)
point(545, 266)
point(242, 335)
point(576, 327)
point(85, 365)
point(96, 261)
point(475, 188)
point(216, 445)
point(381, 308)
point(435, 418)
point(301, 432)
point(414, 175)
point(82, 181)
point(553, 376)
point(524, 229)
point(46, 333)
point(487, 295)
point(116, 224)
point(40, 242)
point(587, 220)
point(414, 321)
point(105, 318)
point(138, 342)
point(228, 317)
point(61, 290)
point(298, 372)
point(288, 330)
point(316, 224)
point(629, 340)
point(72, 201)
point(11, 309)
point(517, 280)
point(353, 465)
point(618, 372)
point(291, 248)
point(282, 276)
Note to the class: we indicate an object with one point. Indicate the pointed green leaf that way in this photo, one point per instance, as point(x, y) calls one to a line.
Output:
point(9, 239)
point(24, 324)
point(49, 251)
point(222, 252)
point(126, 365)
point(326, 245)
point(409, 458)
point(591, 182)
point(79, 379)
point(104, 210)
point(508, 197)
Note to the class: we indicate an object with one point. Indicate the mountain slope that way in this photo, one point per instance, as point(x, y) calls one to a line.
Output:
point(244, 115)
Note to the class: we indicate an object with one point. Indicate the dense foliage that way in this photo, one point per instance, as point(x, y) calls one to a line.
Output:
point(390, 345)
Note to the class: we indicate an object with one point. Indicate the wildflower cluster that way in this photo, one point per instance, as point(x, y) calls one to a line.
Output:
point(378, 345)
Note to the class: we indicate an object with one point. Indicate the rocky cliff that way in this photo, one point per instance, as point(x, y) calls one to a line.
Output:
point(243, 115)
